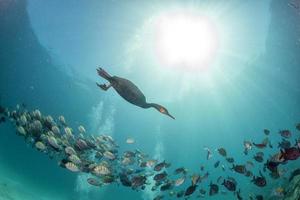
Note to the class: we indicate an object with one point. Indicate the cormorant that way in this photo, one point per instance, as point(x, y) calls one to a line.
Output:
point(129, 91)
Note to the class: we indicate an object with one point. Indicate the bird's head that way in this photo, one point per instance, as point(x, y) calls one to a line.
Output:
point(163, 110)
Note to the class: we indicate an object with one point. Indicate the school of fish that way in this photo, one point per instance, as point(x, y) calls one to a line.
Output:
point(78, 151)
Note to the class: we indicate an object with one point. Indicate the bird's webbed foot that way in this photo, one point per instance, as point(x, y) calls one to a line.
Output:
point(103, 86)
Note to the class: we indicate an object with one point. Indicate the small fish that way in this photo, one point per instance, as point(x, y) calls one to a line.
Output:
point(81, 145)
point(266, 132)
point(195, 179)
point(160, 176)
point(161, 165)
point(138, 181)
point(166, 186)
point(55, 130)
point(53, 142)
point(70, 151)
point(127, 161)
point(230, 160)
point(109, 155)
point(190, 190)
point(180, 181)
point(142, 164)
point(272, 166)
point(260, 146)
point(258, 158)
point(74, 159)
point(23, 120)
point(151, 163)
point(94, 182)
point(209, 153)
point(125, 180)
point(101, 170)
point(180, 170)
point(259, 181)
point(263, 144)
point(68, 132)
point(241, 169)
point(72, 167)
point(223, 168)
point(230, 184)
point(129, 154)
point(21, 130)
point(222, 152)
point(292, 153)
point(130, 141)
point(40, 146)
point(278, 158)
point(285, 133)
point(38, 115)
point(202, 168)
point(217, 164)
point(108, 179)
point(81, 129)
point(213, 189)
point(62, 120)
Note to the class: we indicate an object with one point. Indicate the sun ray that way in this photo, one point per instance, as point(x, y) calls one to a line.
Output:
point(186, 39)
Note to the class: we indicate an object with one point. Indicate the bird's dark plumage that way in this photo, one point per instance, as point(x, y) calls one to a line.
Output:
point(129, 91)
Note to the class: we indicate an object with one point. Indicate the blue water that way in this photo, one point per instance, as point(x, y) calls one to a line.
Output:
point(48, 55)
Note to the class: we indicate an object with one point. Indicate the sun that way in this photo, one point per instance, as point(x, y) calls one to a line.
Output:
point(186, 40)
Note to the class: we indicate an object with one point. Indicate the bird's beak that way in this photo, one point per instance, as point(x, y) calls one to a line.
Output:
point(170, 115)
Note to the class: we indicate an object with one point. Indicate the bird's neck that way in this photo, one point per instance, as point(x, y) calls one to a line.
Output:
point(151, 105)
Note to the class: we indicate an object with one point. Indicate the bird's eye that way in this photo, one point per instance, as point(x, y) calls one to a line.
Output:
point(162, 110)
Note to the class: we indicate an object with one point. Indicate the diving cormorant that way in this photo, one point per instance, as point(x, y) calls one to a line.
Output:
point(129, 91)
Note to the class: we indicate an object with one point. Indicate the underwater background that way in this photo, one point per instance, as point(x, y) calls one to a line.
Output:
point(48, 55)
